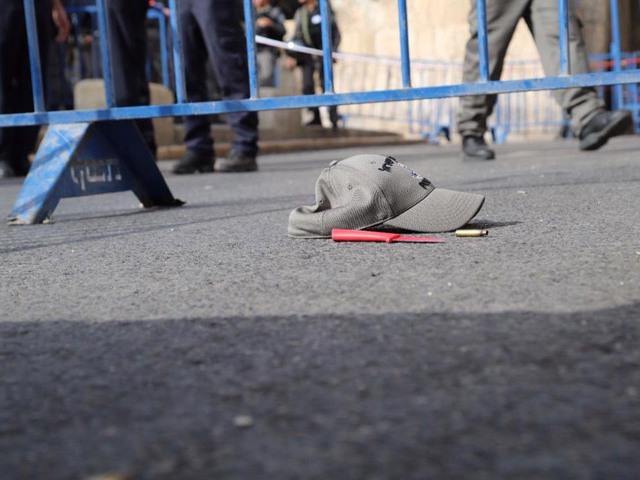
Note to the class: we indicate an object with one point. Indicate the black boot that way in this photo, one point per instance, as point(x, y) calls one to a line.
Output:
point(602, 127)
point(237, 161)
point(192, 162)
point(475, 148)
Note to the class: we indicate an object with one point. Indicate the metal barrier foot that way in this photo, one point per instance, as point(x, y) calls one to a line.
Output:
point(78, 159)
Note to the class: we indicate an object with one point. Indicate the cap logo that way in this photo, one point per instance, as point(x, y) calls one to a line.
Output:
point(386, 166)
point(390, 161)
point(424, 183)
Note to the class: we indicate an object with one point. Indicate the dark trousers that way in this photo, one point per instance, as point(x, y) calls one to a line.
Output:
point(128, 44)
point(309, 68)
point(15, 77)
point(211, 29)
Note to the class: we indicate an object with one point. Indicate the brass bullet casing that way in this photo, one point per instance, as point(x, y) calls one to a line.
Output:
point(472, 233)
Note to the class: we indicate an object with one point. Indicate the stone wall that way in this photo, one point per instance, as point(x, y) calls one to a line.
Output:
point(438, 28)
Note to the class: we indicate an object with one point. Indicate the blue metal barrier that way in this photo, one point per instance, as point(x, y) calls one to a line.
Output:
point(98, 117)
point(526, 112)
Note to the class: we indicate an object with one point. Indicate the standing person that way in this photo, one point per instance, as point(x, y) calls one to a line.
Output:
point(270, 24)
point(126, 25)
point(212, 29)
point(308, 32)
point(15, 75)
point(590, 122)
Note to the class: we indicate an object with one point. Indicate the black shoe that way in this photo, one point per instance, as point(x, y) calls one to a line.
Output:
point(192, 162)
point(237, 162)
point(602, 127)
point(475, 148)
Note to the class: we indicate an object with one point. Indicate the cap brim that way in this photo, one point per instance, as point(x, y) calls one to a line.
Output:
point(441, 211)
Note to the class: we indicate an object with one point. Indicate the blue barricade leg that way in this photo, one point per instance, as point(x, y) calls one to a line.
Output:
point(79, 159)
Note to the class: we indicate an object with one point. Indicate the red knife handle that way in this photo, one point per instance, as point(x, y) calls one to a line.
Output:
point(342, 235)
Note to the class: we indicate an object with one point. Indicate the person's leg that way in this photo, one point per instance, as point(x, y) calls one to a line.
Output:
point(199, 156)
point(223, 35)
point(308, 68)
point(502, 19)
point(15, 81)
point(197, 128)
point(266, 63)
point(128, 42)
point(11, 42)
point(580, 103)
point(589, 119)
point(333, 109)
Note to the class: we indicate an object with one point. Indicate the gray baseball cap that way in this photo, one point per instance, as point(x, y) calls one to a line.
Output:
point(378, 192)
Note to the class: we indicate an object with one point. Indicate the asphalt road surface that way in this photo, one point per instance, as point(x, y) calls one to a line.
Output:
point(201, 342)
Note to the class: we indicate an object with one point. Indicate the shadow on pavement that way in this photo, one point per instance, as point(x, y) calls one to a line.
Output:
point(413, 396)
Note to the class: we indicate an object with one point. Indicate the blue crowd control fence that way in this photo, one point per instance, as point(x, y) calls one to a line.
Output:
point(526, 112)
point(523, 112)
point(83, 140)
point(519, 112)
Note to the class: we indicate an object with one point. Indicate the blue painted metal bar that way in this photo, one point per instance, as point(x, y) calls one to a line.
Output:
point(95, 47)
point(79, 70)
point(105, 53)
point(304, 101)
point(176, 42)
point(327, 46)
point(483, 49)
point(34, 56)
point(563, 37)
point(617, 99)
point(164, 61)
point(157, 15)
point(250, 34)
point(256, 104)
point(404, 44)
